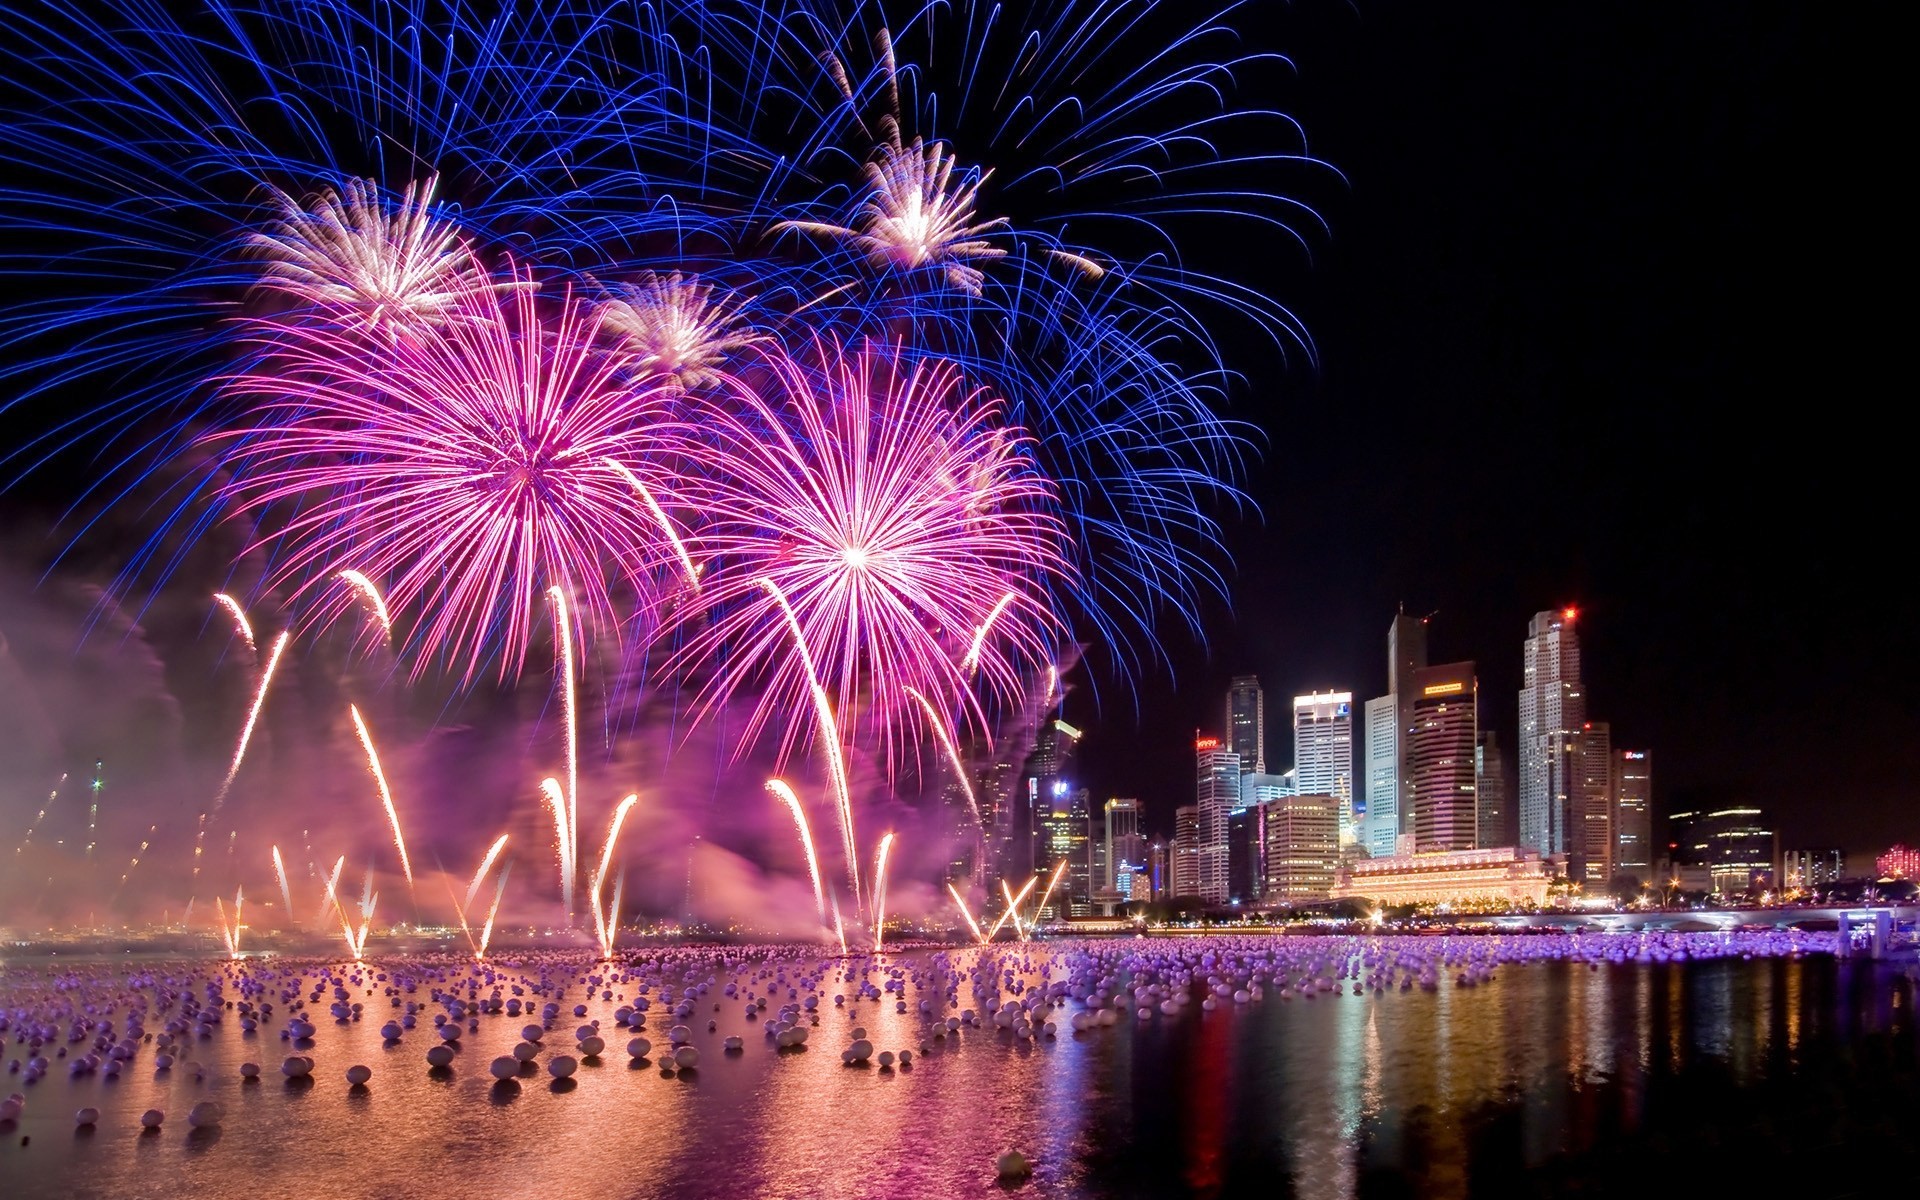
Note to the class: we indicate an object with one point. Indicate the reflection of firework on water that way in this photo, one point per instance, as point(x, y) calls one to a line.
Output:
point(467, 465)
point(864, 517)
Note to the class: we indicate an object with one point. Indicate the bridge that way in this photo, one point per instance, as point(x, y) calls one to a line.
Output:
point(1880, 922)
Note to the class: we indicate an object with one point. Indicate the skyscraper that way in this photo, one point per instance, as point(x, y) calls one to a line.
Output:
point(1323, 752)
point(1595, 808)
point(1382, 825)
point(1247, 722)
point(1445, 726)
point(1184, 852)
point(1493, 792)
point(1553, 707)
point(1124, 843)
point(1217, 794)
point(1302, 848)
point(1633, 814)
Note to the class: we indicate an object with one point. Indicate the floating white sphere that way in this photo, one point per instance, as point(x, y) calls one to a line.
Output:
point(526, 1052)
point(686, 1057)
point(592, 1046)
point(151, 1118)
point(504, 1067)
point(249, 1070)
point(639, 1047)
point(562, 1065)
point(358, 1074)
point(1013, 1165)
point(296, 1067)
point(205, 1115)
point(440, 1056)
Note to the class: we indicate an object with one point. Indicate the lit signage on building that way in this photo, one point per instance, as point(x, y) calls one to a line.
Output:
point(1204, 744)
point(1444, 689)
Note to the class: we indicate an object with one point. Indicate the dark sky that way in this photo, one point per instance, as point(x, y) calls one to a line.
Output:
point(1599, 323)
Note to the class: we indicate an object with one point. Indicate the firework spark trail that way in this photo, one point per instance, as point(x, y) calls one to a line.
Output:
point(784, 793)
point(241, 625)
point(286, 892)
point(228, 937)
point(880, 892)
point(386, 793)
point(940, 734)
point(671, 324)
point(253, 715)
point(1048, 894)
point(41, 815)
point(360, 583)
point(199, 845)
point(829, 735)
point(972, 658)
point(1013, 905)
point(563, 647)
point(486, 864)
point(667, 530)
point(604, 924)
point(552, 793)
point(135, 862)
point(500, 889)
point(839, 930)
point(329, 895)
point(971, 923)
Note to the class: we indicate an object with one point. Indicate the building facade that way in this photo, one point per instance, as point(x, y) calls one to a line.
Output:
point(1507, 876)
point(1633, 815)
point(1597, 831)
point(1445, 714)
point(1553, 707)
point(1302, 844)
point(1247, 722)
point(1381, 829)
point(1183, 853)
point(1812, 870)
point(1323, 752)
point(1124, 844)
point(1216, 795)
point(1493, 794)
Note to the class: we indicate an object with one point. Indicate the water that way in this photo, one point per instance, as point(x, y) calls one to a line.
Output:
point(1554, 1078)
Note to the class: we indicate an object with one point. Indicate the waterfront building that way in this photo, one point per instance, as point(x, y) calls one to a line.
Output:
point(1633, 815)
point(1217, 795)
point(1493, 794)
point(1553, 708)
point(1812, 870)
point(1323, 752)
point(1592, 857)
point(1441, 737)
point(1245, 854)
point(1302, 848)
point(1382, 825)
point(1159, 880)
point(1184, 852)
point(1124, 844)
point(1260, 788)
point(1247, 722)
point(1504, 876)
point(1898, 863)
point(1732, 847)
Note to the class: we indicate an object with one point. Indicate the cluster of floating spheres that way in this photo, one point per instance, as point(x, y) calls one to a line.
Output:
point(690, 1009)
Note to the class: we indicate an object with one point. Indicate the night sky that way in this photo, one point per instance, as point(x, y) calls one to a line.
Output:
point(1598, 324)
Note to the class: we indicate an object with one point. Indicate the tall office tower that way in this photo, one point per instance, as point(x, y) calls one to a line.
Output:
point(1493, 793)
point(1041, 788)
point(1633, 814)
point(1812, 870)
point(1217, 793)
point(1073, 841)
point(1246, 853)
point(1382, 825)
point(1124, 843)
point(1323, 752)
point(1257, 788)
point(1247, 722)
point(1184, 869)
point(1595, 824)
point(1406, 653)
point(1441, 765)
point(1302, 848)
point(1553, 707)
point(1161, 883)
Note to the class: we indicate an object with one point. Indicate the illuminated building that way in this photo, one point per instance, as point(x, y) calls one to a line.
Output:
point(1217, 795)
point(1184, 852)
point(1445, 725)
point(1406, 653)
point(1633, 814)
point(1246, 853)
point(1066, 838)
point(1302, 841)
point(1124, 845)
point(1382, 825)
point(1493, 794)
point(1590, 860)
point(1247, 722)
point(1812, 870)
point(1507, 875)
point(1028, 849)
point(1732, 845)
point(1323, 751)
point(1553, 707)
point(1159, 880)
point(1898, 863)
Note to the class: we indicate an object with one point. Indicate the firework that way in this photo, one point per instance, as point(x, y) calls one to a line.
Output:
point(1013, 906)
point(864, 518)
point(672, 325)
point(375, 601)
point(241, 625)
point(134, 863)
point(945, 739)
point(556, 799)
point(1046, 895)
point(358, 256)
point(386, 793)
point(971, 923)
point(785, 795)
point(246, 731)
point(286, 892)
point(606, 923)
point(467, 466)
point(563, 667)
point(880, 891)
point(486, 864)
point(486, 931)
point(40, 816)
point(329, 895)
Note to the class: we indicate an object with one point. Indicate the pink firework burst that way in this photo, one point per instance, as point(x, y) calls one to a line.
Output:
point(898, 522)
point(472, 465)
